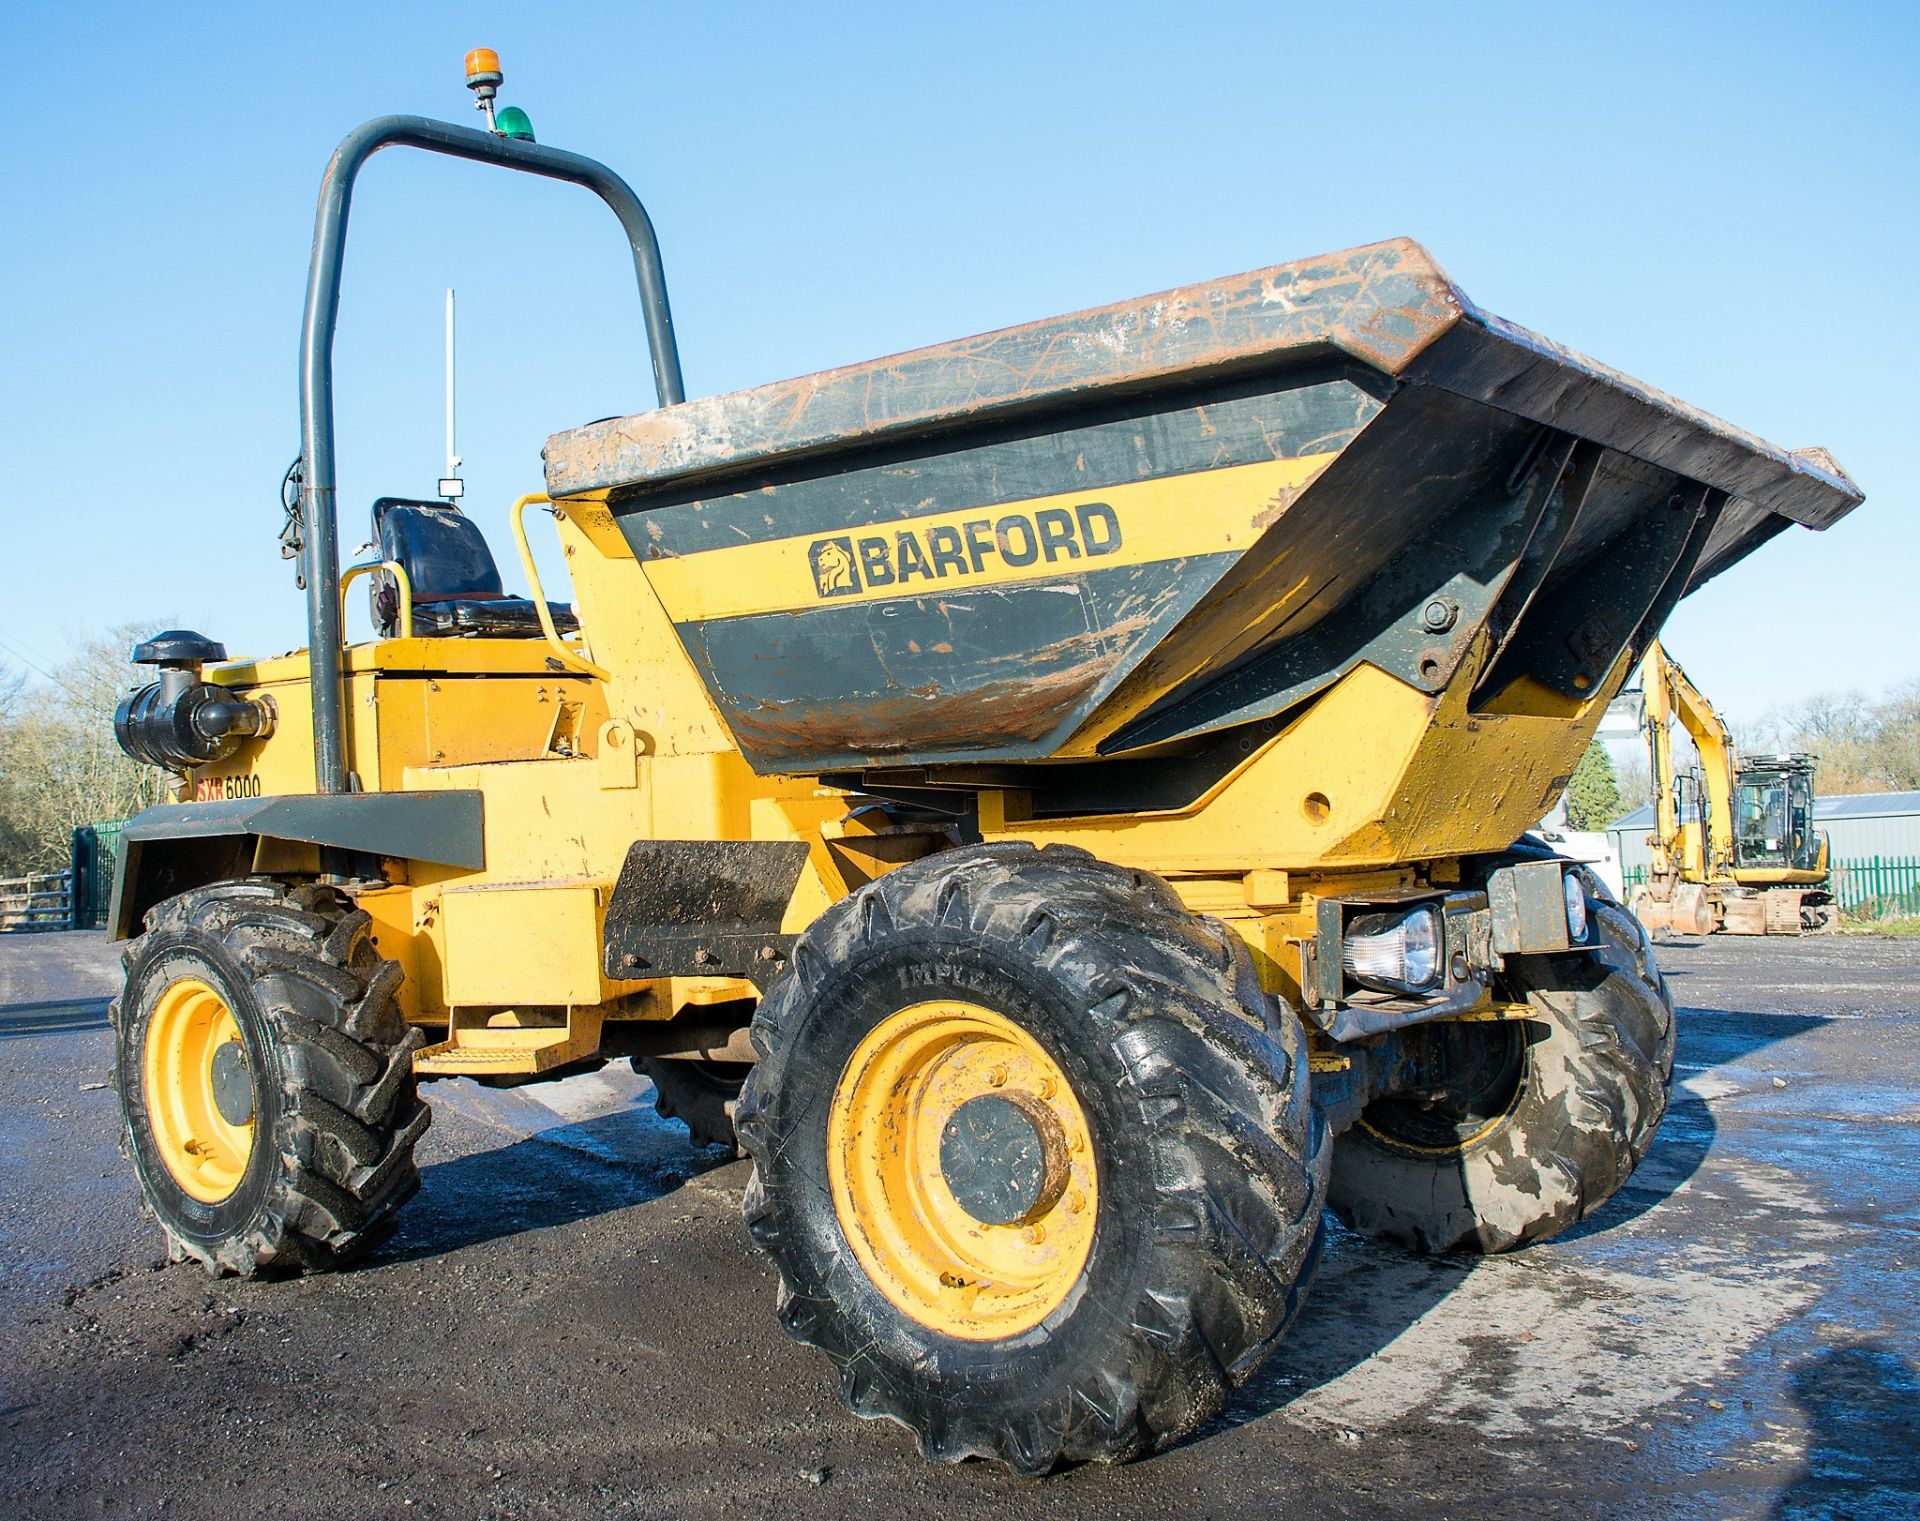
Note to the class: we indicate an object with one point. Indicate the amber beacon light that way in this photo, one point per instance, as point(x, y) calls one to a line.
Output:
point(484, 78)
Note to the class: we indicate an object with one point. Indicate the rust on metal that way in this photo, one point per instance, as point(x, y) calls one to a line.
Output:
point(1388, 306)
point(1380, 305)
point(1016, 707)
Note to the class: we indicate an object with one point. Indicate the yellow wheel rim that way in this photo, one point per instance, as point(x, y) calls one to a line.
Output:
point(1464, 1144)
point(204, 1149)
point(896, 1127)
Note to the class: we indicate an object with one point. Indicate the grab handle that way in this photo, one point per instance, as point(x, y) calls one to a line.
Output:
point(566, 653)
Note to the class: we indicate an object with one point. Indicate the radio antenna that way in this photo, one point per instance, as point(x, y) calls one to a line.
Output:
point(451, 486)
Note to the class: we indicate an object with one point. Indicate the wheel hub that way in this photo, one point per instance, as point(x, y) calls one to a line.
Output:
point(1003, 1157)
point(233, 1084)
point(1472, 1076)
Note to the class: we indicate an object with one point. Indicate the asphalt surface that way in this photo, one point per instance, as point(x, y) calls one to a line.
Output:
point(572, 1322)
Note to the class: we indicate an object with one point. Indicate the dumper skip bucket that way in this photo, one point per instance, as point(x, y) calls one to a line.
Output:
point(1127, 529)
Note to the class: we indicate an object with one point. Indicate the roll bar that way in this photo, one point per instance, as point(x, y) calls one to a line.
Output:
point(320, 550)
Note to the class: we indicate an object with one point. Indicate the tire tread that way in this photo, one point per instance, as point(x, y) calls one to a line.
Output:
point(352, 1115)
point(1219, 1079)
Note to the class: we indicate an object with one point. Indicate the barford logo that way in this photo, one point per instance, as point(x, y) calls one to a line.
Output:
point(844, 566)
point(833, 572)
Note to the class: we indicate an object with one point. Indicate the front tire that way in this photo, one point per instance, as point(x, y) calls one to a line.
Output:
point(1034, 1156)
point(266, 1078)
point(1543, 1119)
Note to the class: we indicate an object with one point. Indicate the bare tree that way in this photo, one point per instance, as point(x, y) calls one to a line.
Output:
point(60, 766)
point(1862, 745)
point(1636, 783)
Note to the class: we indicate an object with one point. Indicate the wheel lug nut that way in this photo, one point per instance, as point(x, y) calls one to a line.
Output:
point(997, 1078)
point(1033, 1235)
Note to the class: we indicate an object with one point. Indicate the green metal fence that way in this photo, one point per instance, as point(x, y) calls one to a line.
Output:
point(93, 851)
point(1878, 887)
point(1871, 887)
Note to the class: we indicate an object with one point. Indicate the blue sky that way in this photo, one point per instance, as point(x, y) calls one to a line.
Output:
point(1718, 199)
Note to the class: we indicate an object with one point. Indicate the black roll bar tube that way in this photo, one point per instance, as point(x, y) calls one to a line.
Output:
point(320, 556)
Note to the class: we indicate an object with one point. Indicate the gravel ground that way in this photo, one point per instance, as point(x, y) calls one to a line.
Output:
point(571, 1321)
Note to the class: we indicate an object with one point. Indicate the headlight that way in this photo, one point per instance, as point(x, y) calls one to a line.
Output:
point(1576, 909)
point(1398, 953)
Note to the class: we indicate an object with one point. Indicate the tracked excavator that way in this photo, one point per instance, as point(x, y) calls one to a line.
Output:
point(1734, 847)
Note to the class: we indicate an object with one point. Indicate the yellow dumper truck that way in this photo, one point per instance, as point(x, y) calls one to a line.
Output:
point(1050, 798)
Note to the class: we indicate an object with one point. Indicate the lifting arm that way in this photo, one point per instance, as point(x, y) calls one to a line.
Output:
point(1657, 718)
point(1670, 694)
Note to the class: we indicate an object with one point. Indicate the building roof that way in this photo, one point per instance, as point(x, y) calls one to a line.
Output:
point(1855, 805)
point(1867, 805)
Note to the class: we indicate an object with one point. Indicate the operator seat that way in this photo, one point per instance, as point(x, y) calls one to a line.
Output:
point(456, 585)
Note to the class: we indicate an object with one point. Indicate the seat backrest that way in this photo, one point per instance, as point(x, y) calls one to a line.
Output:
point(442, 549)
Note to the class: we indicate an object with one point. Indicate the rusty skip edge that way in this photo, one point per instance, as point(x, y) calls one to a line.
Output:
point(1388, 306)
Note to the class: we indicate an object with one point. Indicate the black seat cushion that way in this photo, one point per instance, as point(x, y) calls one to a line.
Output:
point(500, 617)
point(456, 584)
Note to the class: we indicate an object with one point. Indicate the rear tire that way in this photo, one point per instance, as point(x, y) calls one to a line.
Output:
point(1187, 1128)
point(699, 1094)
point(293, 1147)
point(1544, 1131)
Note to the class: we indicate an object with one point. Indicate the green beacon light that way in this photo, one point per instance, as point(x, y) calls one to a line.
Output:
point(514, 123)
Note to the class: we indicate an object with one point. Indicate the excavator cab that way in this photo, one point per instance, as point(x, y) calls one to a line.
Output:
point(1773, 816)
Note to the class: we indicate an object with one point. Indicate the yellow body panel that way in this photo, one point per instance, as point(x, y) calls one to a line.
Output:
point(1369, 776)
point(1362, 790)
point(524, 945)
point(571, 769)
point(402, 715)
point(653, 686)
point(1778, 876)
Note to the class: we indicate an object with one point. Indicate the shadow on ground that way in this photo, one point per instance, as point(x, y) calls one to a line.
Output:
point(18, 1019)
point(1367, 1292)
point(570, 1171)
point(1708, 1038)
point(1859, 1400)
point(1862, 1404)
